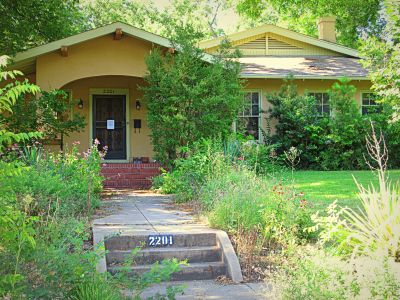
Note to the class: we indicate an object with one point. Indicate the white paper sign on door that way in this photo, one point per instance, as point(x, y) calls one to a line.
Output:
point(110, 124)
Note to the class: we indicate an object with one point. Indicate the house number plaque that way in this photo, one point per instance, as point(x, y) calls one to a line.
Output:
point(161, 240)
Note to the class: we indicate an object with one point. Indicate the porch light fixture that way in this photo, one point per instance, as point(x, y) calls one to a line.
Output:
point(138, 105)
point(80, 104)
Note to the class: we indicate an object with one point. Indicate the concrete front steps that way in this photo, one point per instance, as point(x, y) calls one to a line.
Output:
point(129, 175)
point(207, 255)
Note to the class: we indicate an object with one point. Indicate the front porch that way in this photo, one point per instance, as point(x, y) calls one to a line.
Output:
point(116, 116)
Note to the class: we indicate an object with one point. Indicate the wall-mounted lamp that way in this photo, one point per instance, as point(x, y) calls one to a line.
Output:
point(80, 104)
point(138, 105)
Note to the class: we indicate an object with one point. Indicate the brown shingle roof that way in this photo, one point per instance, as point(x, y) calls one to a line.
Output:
point(302, 67)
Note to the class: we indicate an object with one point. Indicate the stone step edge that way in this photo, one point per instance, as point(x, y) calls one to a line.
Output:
point(183, 266)
point(228, 253)
point(169, 249)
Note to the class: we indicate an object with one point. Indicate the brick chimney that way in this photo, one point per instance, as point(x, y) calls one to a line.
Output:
point(326, 29)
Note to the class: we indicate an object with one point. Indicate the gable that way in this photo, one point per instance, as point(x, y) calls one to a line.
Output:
point(26, 60)
point(274, 40)
point(274, 44)
point(96, 57)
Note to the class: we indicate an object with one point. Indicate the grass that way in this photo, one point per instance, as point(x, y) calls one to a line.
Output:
point(323, 187)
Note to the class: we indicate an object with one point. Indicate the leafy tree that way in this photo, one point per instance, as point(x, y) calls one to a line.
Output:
point(353, 17)
point(9, 93)
point(201, 14)
point(24, 116)
point(25, 24)
point(55, 118)
point(382, 58)
point(103, 12)
point(190, 95)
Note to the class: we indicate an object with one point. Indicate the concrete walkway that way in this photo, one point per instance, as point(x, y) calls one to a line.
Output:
point(145, 212)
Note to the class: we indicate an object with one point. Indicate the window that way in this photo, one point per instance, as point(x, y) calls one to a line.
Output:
point(322, 103)
point(368, 104)
point(249, 116)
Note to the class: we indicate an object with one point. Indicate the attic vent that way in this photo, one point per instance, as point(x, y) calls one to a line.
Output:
point(256, 44)
point(276, 44)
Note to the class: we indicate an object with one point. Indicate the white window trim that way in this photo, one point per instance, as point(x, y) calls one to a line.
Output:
point(320, 92)
point(260, 95)
point(361, 99)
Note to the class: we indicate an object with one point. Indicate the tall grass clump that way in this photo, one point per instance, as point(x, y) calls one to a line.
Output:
point(375, 227)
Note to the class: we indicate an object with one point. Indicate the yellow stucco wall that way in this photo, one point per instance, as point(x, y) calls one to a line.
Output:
point(140, 145)
point(97, 57)
point(106, 63)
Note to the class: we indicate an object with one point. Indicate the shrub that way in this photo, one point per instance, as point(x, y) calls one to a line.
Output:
point(205, 158)
point(208, 159)
point(333, 142)
point(298, 124)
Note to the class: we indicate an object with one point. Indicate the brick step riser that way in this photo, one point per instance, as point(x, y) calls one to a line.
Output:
point(132, 186)
point(128, 182)
point(180, 240)
point(133, 171)
point(129, 176)
point(191, 255)
point(131, 165)
point(187, 273)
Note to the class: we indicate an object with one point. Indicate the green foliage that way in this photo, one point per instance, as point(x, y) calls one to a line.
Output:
point(335, 142)
point(375, 228)
point(239, 201)
point(202, 160)
point(188, 97)
point(55, 115)
point(382, 58)
point(346, 130)
point(314, 274)
point(95, 290)
point(223, 179)
point(25, 24)
point(298, 124)
point(353, 17)
point(201, 14)
point(9, 94)
point(51, 114)
point(45, 204)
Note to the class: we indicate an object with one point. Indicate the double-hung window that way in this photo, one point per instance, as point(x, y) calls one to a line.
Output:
point(368, 104)
point(249, 116)
point(322, 103)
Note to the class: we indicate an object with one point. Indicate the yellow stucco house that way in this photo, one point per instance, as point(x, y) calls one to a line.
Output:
point(103, 68)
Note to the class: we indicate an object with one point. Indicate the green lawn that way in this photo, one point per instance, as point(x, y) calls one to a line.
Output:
point(323, 187)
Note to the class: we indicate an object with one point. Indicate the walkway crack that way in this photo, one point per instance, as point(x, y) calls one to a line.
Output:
point(146, 218)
